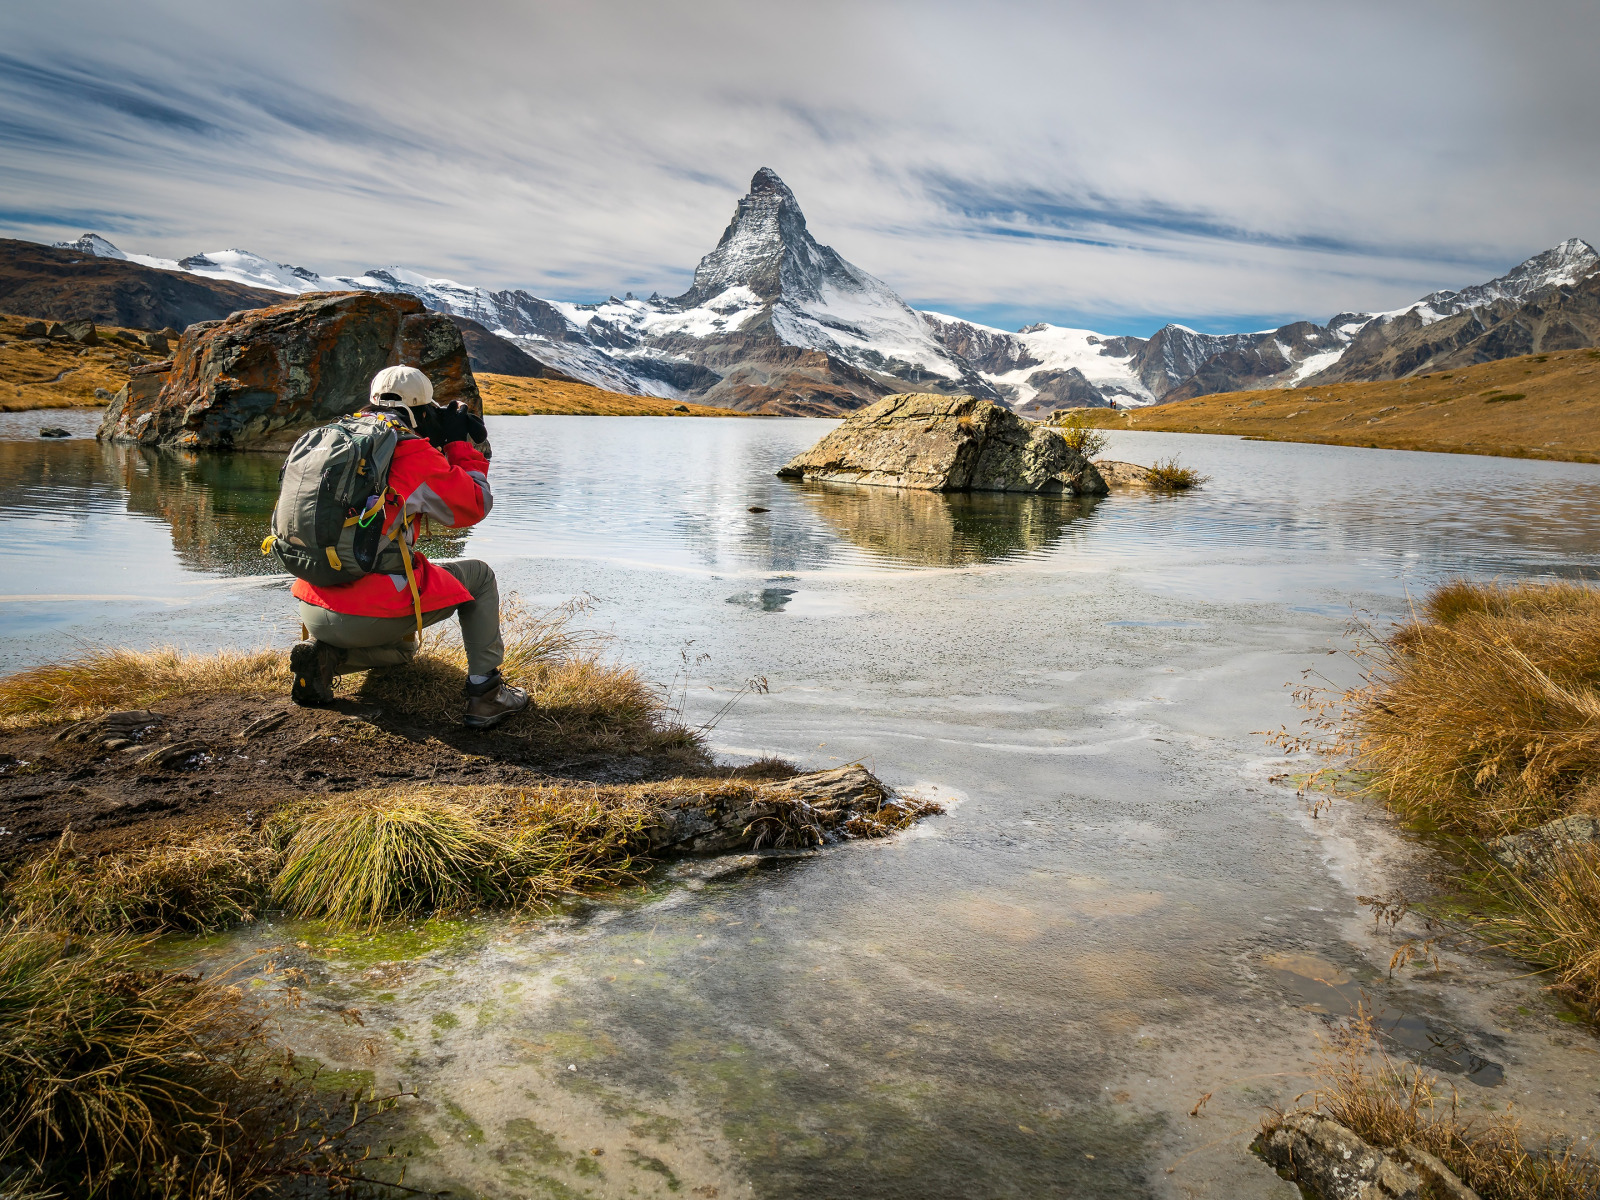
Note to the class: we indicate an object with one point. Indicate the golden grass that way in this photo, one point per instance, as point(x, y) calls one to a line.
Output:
point(579, 692)
point(360, 858)
point(515, 396)
point(371, 856)
point(105, 680)
point(1551, 918)
point(1391, 1104)
point(1478, 719)
point(56, 376)
point(1536, 406)
point(1482, 717)
point(212, 882)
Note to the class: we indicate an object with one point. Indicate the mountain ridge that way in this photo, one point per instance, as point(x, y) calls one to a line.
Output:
point(774, 321)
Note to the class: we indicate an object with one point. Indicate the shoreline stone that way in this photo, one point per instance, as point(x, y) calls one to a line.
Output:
point(1533, 850)
point(946, 444)
point(1332, 1162)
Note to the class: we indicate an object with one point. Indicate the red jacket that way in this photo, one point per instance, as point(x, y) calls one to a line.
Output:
point(448, 489)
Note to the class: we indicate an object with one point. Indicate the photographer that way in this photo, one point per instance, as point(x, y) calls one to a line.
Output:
point(439, 472)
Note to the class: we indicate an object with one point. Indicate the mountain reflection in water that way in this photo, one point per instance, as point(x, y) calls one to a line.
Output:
point(945, 529)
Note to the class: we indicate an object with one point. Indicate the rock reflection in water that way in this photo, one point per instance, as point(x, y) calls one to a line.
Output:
point(944, 529)
point(219, 506)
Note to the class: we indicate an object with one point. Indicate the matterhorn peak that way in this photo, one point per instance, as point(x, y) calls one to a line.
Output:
point(765, 248)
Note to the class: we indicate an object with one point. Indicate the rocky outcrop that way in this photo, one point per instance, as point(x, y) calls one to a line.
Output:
point(1534, 850)
point(946, 444)
point(1331, 1162)
point(258, 379)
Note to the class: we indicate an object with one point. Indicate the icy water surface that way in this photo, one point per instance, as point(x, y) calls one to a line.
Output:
point(1125, 908)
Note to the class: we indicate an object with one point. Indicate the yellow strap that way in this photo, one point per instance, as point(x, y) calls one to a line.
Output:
point(359, 517)
point(266, 544)
point(411, 580)
point(333, 559)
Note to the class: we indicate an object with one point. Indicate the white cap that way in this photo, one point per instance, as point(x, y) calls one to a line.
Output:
point(411, 385)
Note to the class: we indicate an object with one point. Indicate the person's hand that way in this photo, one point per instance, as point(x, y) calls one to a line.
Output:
point(442, 425)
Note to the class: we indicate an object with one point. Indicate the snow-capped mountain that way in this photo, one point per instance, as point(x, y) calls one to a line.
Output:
point(776, 322)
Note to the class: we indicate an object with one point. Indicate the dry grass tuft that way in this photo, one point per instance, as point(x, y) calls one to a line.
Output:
point(360, 858)
point(388, 854)
point(1551, 919)
point(1079, 434)
point(117, 1080)
point(1391, 1104)
point(1166, 475)
point(103, 680)
point(122, 1072)
point(578, 693)
point(213, 882)
point(1482, 717)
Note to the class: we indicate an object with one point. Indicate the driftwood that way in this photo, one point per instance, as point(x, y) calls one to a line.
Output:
point(807, 810)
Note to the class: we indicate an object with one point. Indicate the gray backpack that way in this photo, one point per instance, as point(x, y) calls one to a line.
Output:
point(327, 527)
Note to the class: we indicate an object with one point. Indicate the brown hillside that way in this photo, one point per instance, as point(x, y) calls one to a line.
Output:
point(514, 396)
point(59, 373)
point(68, 285)
point(1536, 406)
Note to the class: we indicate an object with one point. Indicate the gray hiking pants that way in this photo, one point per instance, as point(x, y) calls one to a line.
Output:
point(392, 641)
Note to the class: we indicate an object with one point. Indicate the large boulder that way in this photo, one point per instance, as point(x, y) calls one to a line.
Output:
point(946, 444)
point(259, 379)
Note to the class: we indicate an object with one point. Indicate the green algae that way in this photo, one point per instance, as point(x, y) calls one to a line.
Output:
point(530, 1139)
point(445, 1020)
point(646, 1162)
point(466, 1128)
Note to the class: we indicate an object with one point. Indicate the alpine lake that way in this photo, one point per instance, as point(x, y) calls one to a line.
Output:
point(1126, 907)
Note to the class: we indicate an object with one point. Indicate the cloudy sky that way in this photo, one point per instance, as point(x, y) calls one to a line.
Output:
point(1114, 165)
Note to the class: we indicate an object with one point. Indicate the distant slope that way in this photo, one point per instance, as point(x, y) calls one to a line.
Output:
point(520, 396)
point(497, 356)
point(1563, 316)
point(1535, 406)
point(69, 285)
point(56, 372)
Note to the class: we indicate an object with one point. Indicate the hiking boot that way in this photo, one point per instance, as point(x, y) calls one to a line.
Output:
point(313, 664)
point(492, 701)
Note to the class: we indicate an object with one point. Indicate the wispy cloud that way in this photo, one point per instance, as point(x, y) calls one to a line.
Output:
point(1078, 162)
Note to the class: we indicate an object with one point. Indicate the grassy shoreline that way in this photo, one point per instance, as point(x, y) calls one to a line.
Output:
point(1477, 722)
point(1543, 406)
point(119, 1080)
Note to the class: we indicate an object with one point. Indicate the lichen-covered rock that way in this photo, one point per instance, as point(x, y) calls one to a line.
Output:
point(1122, 474)
point(1332, 1162)
point(259, 379)
point(946, 444)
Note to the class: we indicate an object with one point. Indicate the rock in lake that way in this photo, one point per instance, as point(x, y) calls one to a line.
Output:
point(946, 444)
point(259, 379)
point(54, 431)
point(1122, 474)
